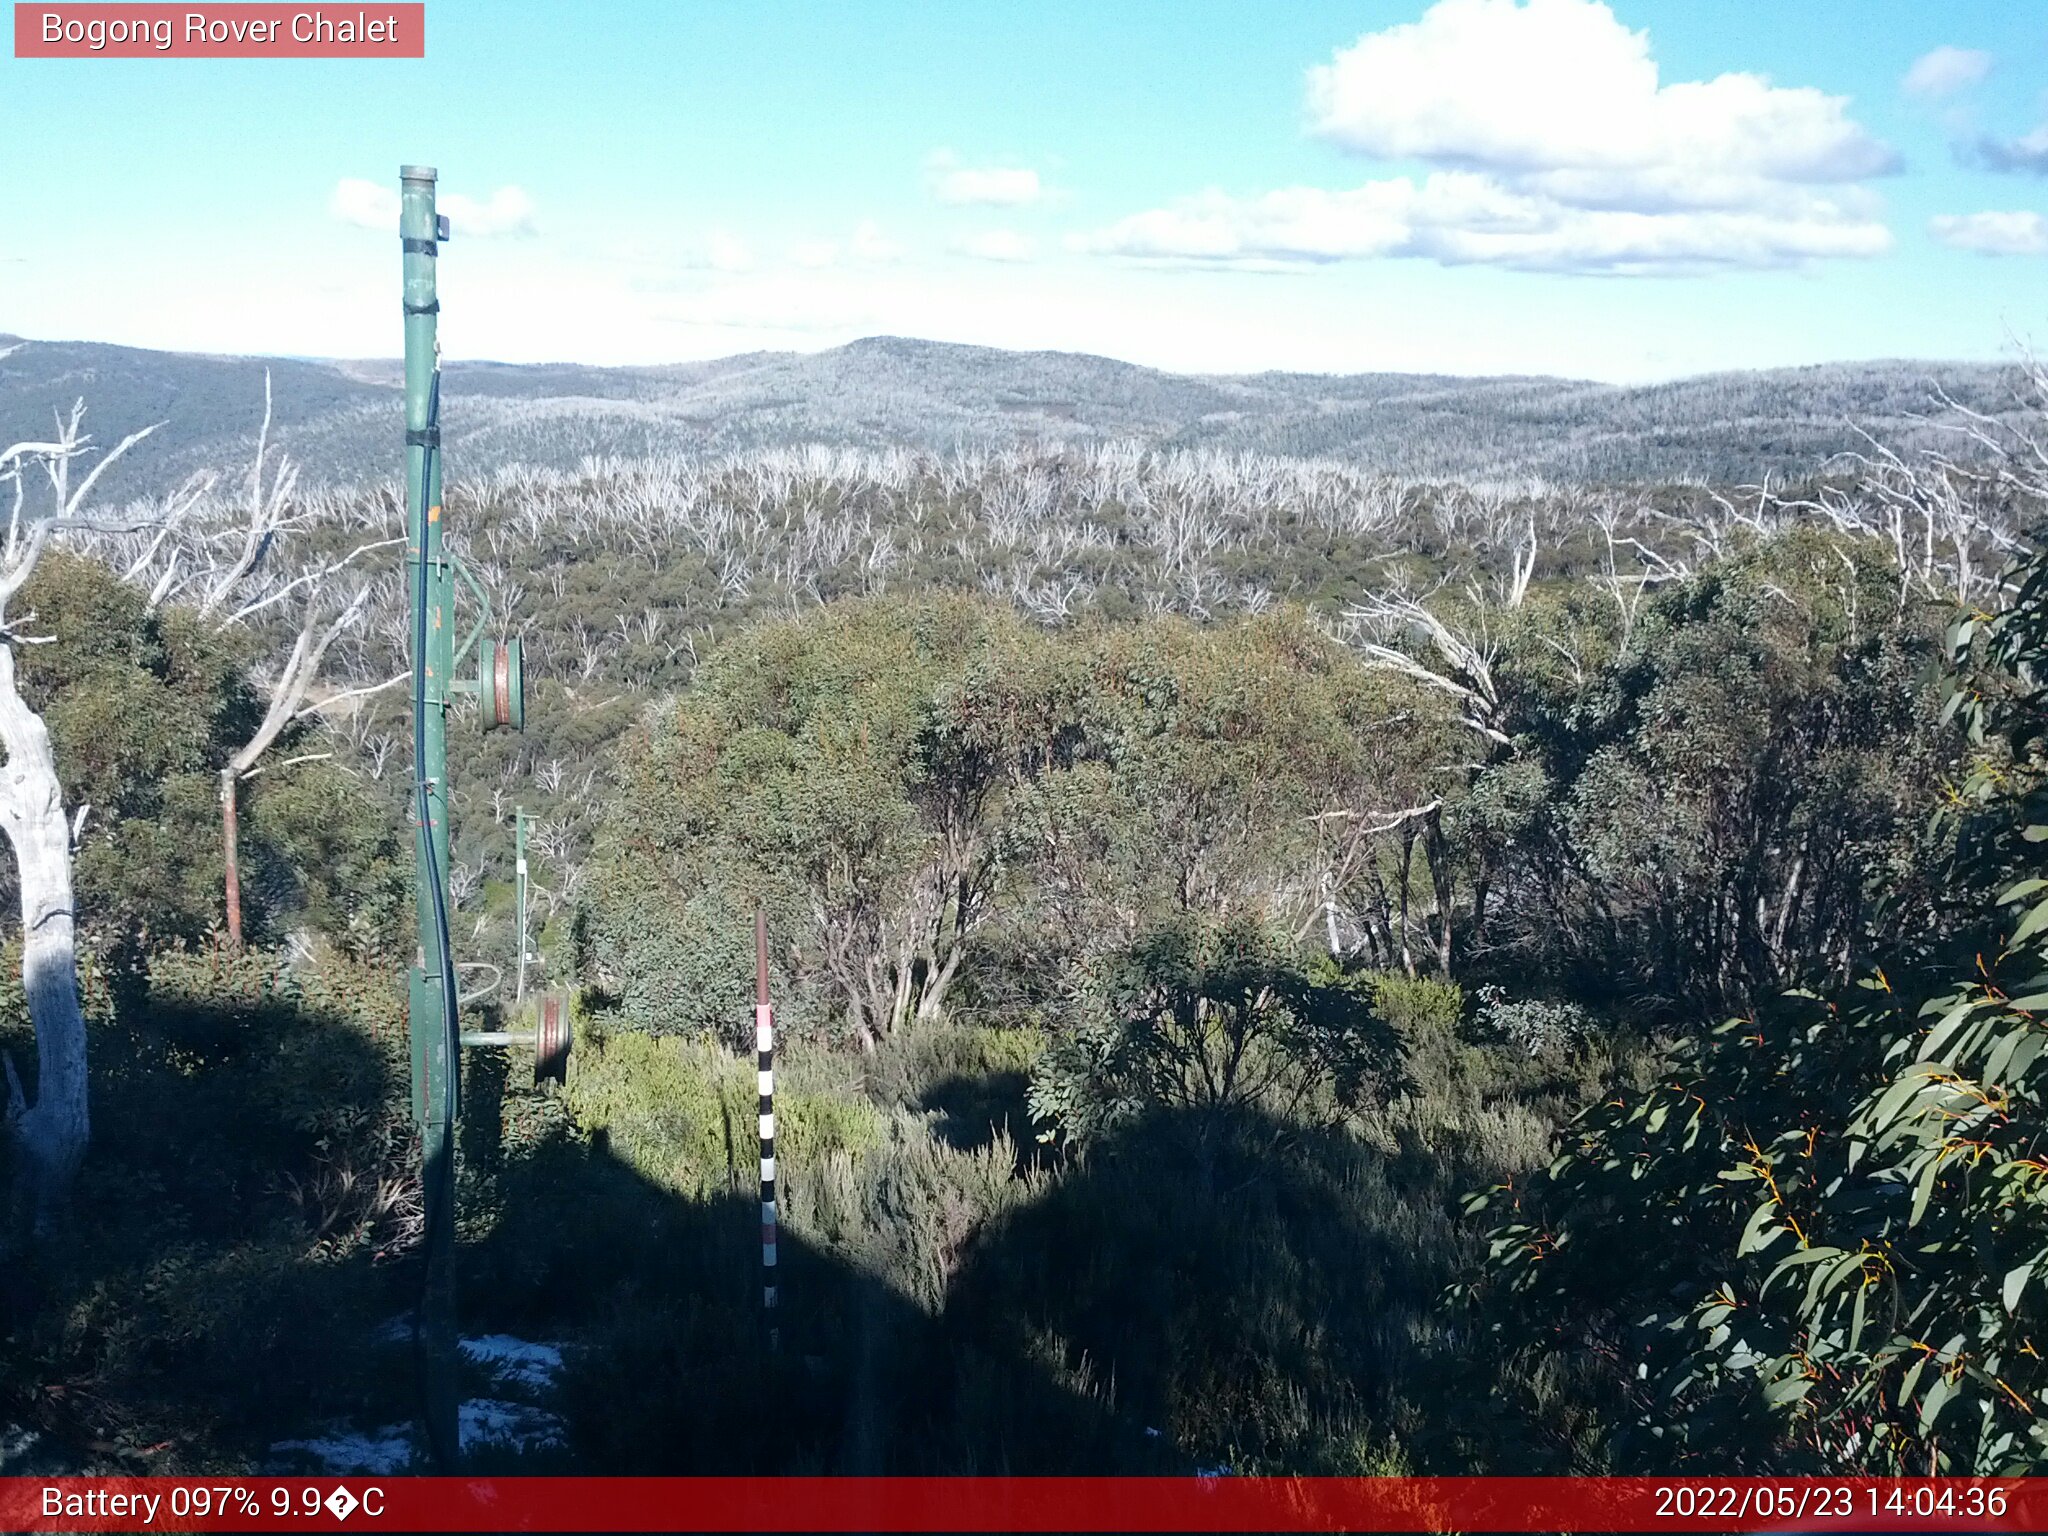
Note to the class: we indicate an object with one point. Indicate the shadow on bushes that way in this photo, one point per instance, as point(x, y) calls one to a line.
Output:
point(669, 1371)
point(1264, 1297)
point(251, 1171)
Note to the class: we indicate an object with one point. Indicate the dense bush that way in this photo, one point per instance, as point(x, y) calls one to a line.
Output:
point(941, 806)
point(1204, 1020)
point(144, 705)
point(1715, 813)
point(1834, 1201)
point(252, 1169)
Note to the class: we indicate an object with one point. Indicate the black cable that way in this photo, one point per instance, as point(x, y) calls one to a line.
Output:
point(434, 1195)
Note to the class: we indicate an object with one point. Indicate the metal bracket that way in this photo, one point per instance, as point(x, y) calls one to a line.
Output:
point(483, 618)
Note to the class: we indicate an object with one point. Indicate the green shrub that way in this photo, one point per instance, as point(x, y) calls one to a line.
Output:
point(1416, 1005)
point(683, 1113)
point(926, 1058)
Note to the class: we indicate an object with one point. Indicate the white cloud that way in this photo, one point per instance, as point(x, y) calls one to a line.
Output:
point(1561, 85)
point(995, 245)
point(987, 186)
point(1555, 147)
point(1944, 71)
point(1993, 233)
point(1461, 217)
point(508, 211)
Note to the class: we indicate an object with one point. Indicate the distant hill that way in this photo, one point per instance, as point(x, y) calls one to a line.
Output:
point(340, 419)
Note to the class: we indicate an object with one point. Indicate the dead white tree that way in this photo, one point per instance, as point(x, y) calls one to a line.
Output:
point(50, 1133)
point(288, 688)
point(239, 588)
point(1396, 631)
point(1388, 629)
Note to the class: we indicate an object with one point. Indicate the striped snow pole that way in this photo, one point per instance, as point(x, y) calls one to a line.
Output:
point(764, 1046)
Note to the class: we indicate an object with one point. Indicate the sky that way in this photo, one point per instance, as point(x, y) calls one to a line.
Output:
point(1629, 191)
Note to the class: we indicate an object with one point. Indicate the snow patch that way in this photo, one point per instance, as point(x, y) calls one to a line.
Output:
point(381, 1452)
point(486, 1422)
point(513, 1426)
point(515, 1362)
point(515, 1367)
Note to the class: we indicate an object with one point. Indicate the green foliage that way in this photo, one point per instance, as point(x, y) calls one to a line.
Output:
point(1714, 813)
point(1208, 1018)
point(252, 1168)
point(1835, 1204)
point(1416, 1005)
point(143, 707)
point(845, 770)
point(1531, 1024)
point(682, 1113)
point(975, 1077)
point(317, 850)
point(944, 808)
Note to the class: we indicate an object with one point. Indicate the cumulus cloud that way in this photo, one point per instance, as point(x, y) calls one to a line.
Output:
point(986, 186)
point(1944, 71)
point(2027, 155)
point(995, 245)
point(1993, 233)
point(367, 204)
point(1555, 85)
point(371, 205)
point(1553, 144)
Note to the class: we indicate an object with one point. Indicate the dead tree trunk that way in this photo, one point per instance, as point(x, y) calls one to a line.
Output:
point(49, 1134)
point(231, 855)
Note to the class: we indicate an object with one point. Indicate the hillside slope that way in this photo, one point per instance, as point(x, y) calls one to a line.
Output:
point(340, 418)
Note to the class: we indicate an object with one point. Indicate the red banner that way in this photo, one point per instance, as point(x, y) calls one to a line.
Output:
point(1022, 1504)
point(372, 30)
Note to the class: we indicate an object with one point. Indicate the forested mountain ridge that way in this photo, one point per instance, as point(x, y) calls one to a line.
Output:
point(896, 392)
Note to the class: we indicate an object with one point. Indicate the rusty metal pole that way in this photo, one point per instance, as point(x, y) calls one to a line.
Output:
point(764, 1047)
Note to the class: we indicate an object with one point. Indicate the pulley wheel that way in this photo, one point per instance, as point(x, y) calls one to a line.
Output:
point(553, 1037)
point(501, 689)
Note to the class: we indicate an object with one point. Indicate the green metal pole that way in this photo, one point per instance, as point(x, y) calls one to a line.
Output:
point(431, 587)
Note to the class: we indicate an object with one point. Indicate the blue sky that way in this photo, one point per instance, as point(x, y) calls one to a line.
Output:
point(1655, 188)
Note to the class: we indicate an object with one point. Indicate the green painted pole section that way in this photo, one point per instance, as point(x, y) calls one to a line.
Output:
point(431, 586)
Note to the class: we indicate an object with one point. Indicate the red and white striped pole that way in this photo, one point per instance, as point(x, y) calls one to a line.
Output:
point(764, 1046)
